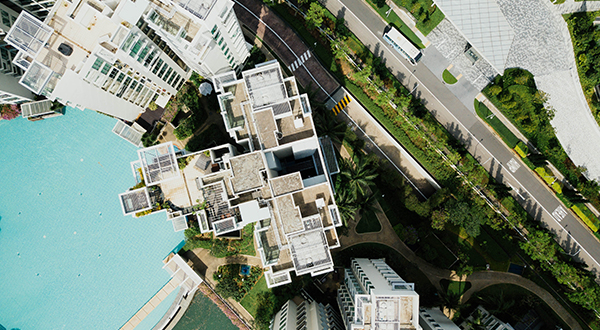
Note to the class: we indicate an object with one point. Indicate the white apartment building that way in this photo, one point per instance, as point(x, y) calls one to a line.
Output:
point(106, 55)
point(374, 297)
point(205, 34)
point(434, 319)
point(280, 183)
point(11, 92)
point(308, 315)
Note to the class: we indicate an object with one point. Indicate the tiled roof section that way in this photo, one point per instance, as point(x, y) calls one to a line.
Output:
point(247, 171)
point(289, 215)
point(287, 183)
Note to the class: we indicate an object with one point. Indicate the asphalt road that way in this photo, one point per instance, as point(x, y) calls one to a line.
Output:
point(478, 138)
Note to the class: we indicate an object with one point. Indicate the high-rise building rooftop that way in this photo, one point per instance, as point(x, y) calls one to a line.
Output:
point(279, 183)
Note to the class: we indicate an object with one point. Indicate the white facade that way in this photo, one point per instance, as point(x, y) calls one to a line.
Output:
point(118, 56)
point(204, 33)
point(374, 297)
point(11, 92)
point(434, 319)
point(308, 315)
point(481, 318)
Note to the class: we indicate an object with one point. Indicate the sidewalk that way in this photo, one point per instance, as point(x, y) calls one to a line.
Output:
point(380, 142)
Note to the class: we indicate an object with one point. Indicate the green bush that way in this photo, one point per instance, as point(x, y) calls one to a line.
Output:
point(522, 149)
point(550, 179)
point(449, 78)
point(593, 224)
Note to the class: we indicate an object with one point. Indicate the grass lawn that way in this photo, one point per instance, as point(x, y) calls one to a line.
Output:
point(249, 300)
point(507, 136)
point(368, 223)
point(449, 77)
point(246, 244)
point(393, 19)
point(454, 287)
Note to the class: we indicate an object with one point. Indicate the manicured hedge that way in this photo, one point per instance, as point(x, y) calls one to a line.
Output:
point(593, 224)
point(522, 149)
point(550, 180)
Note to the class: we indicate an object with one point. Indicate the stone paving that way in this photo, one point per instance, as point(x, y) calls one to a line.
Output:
point(451, 43)
point(543, 46)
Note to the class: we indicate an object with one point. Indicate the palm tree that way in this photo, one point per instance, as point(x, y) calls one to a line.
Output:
point(359, 175)
point(346, 204)
point(368, 203)
point(327, 125)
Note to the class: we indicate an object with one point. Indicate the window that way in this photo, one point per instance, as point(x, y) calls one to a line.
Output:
point(214, 29)
point(172, 77)
point(105, 68)
point(5, 18)
point(176, 81)
point(167, 75)
point(97, 64)
point(136, 48)
point(113, 74)
point(221, 41)
point(162, 70)
point(157, 66)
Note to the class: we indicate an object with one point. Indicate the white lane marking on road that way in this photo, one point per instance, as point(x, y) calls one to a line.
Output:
point(461, 124)
point(559, 213)
point(513, 165)
point(299, 61)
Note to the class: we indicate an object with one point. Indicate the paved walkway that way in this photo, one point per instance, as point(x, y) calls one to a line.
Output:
point(287, 45)
point(479, 280)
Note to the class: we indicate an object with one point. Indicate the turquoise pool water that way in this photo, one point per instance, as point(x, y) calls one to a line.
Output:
point(69, 258)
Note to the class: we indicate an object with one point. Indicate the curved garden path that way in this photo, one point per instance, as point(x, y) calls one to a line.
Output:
point(479, 280)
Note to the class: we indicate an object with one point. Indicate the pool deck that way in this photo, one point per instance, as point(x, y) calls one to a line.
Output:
point(151, 304)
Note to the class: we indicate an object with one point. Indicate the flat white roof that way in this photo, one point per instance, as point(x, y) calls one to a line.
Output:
point(484, 25)
point(159, 163)
point(28, 34)
point(135, 201)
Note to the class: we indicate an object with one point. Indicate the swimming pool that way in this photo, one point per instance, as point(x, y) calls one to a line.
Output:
point(70, 259)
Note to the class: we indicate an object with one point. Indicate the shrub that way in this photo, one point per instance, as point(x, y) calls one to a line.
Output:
point(522, 149)
point(9, 111)
point(593, 224)
point(549, 178)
